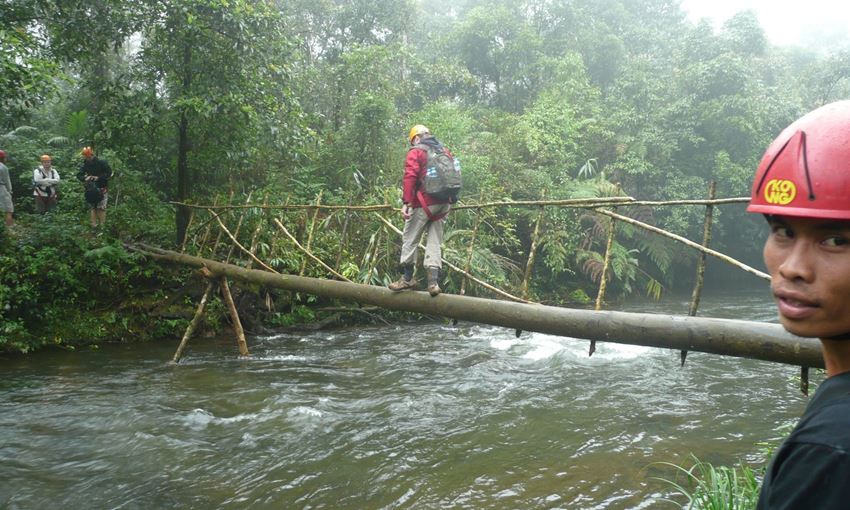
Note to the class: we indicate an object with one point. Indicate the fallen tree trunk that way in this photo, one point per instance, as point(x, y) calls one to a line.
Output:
point(756, 340)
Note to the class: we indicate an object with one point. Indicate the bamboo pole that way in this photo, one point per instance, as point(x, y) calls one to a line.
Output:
point(244, 250)
point(373, 259)
point(570, 202)
point(234, 316)
point(532, 251)
point(469, 252)
point(310, 233)
point(308, 253)
point(207, 230)
point(706, 240)
point(603, 280)
point(459, 270)
point(755, 340)
point(685, 241)
point(199, 313)
point(343, 239)
point(218, 235)
point(188, 227)
point(252, 251)
point(238, 227)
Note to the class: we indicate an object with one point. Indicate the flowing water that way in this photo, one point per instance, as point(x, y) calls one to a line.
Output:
point(403, 416)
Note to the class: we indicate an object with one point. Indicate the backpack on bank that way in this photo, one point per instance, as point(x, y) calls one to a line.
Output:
point(442, 174)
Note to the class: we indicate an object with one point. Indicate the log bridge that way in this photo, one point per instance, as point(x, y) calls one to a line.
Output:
point(762, 341)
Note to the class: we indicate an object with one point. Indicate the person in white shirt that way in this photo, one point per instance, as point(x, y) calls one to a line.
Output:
point(44, 181)
point(6, 191)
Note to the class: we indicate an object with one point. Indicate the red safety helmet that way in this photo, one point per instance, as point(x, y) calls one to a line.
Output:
point(805, 172)
point(2, 155)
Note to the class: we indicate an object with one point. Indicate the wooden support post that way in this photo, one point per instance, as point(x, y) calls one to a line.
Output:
point(252, 251)
point(206, 235)
point(603, 281)
point(188, 227)
point(469, 252)
point(310, 232)
point(199, 313)
point(234, 317)
point(706, 240)
point(372, 258)
point(343, 239)
point(532, 252)
point(218, 235)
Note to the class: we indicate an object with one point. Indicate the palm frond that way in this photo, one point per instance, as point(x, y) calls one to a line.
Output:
point(59, 141)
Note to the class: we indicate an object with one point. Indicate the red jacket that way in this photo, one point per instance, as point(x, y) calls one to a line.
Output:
point(414, 172)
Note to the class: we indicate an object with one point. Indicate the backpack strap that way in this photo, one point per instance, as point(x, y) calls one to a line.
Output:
point(431, 216)
point(50, 190)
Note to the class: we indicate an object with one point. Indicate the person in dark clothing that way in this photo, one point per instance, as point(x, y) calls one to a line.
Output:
point(95, 174)
point(421, 211)
point(801, 187)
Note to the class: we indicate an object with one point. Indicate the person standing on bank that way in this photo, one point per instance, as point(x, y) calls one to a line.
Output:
point(421, 210)
point(44, 181)
point(6, 204)
point(95, 174)
point(802, 187)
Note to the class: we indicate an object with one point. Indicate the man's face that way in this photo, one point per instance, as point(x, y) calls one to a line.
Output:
point(46, 163)
point(809, 262)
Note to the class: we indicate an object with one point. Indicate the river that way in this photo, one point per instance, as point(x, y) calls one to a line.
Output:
point(403, 416)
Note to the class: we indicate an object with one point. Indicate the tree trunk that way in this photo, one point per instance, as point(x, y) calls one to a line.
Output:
point(756, 340)
point(183, 184)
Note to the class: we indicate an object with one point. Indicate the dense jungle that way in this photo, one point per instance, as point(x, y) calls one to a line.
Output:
point(207, 101)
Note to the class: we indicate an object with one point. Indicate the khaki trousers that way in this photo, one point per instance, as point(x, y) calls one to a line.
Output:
point(413, 229)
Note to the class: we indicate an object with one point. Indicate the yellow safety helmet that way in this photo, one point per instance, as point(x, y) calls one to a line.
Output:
point(417, 130)
point(45, 157)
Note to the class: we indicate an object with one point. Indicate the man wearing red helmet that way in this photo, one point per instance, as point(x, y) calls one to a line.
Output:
point(94, 174)
point(802, 186)
point(6, 190)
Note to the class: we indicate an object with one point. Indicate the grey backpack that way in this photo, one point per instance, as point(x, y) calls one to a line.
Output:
point(442, 174)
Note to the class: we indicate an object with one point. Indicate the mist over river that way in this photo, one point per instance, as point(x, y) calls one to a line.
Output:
point(379, 417)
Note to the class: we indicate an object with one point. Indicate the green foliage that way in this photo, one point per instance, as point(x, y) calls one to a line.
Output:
point(198, 99)
point(300, 314)
point(707, 487)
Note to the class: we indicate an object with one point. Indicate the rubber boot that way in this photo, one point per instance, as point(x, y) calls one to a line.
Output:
point(434, 281)
point(405, 282)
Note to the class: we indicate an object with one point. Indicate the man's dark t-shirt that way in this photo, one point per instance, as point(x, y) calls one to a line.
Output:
point(811, 469)
point(98, 168)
